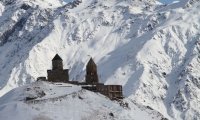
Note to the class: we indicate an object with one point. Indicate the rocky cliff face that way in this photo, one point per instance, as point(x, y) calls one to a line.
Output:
point(149, 48)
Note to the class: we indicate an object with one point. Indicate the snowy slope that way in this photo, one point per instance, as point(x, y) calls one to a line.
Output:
point(66, 102)
point(149, 48)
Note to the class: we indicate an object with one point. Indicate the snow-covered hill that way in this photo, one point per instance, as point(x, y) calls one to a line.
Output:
point(47, 101)
point(149, 48)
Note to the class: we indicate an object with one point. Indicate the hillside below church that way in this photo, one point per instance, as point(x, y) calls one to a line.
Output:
point(151, 49)
point(61, 101)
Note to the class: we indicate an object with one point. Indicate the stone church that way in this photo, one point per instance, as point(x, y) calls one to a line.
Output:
point(91, 73)
point(58, 74)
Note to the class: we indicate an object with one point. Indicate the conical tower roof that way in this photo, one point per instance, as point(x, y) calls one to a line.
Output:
point(57, 57)
point(91, 62)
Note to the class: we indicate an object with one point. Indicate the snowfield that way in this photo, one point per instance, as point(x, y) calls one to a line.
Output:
point(59, 101)
point(151, 49)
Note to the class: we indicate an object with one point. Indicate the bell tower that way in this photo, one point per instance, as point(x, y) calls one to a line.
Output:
point(57, 63)
point(91, 73)
point(58, 74)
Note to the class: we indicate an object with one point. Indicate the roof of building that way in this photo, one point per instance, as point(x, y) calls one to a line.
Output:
point(57, 57)
point(91, 62)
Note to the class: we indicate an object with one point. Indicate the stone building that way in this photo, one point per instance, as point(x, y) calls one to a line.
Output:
point(114, 92)
point(111, 91)
point(57, 74)
point(91, 73)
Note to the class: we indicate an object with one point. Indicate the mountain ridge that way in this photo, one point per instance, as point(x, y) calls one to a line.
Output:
point(150, 49)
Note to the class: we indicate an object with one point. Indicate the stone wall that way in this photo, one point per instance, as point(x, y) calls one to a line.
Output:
point(58, 75)
point(111, 91)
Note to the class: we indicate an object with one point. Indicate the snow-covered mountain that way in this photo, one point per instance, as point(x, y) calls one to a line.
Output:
point(47, 101)
point(149, 48)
